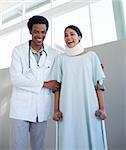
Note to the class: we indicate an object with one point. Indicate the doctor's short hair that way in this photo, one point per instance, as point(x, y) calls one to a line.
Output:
point(37, 20)
point(75, 28)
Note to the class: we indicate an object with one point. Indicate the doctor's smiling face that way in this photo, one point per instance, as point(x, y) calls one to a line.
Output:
point(38, 33)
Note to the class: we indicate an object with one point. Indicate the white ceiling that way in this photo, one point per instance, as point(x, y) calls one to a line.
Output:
point(5, 4)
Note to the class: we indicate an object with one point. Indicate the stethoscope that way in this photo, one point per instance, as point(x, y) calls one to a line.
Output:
point(30, 50)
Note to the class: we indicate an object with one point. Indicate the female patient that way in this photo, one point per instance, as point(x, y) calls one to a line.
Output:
point(79, 105)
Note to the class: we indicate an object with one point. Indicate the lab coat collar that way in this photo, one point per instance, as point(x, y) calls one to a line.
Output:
point(42, 60)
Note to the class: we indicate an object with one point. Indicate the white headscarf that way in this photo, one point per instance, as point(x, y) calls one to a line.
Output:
point(76, 50)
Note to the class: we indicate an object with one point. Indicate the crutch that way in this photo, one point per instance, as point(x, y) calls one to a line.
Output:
point(57, 136)
point(104, 134)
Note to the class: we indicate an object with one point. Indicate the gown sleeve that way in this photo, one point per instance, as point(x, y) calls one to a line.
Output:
point(56, 71)
point(98, 73)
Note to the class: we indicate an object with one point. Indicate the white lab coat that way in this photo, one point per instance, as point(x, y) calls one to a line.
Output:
point(29, 99)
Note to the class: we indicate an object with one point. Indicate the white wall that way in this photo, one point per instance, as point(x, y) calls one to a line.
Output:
point(5, 91)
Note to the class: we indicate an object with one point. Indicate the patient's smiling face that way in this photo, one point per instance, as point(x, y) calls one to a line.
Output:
point(71, 37)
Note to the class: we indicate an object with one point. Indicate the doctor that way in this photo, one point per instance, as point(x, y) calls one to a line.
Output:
point(31, 95)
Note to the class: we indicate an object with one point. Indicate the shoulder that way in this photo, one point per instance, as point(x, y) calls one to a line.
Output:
point(52, 52)
point(93, 55)
point(61, 55)
point(58, 58)
point(21, 47)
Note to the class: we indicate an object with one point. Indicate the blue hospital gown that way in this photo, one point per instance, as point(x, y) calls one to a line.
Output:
point(80, 129)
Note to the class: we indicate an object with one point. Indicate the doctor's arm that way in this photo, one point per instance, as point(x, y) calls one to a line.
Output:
point(26, 81)
point(52, 85)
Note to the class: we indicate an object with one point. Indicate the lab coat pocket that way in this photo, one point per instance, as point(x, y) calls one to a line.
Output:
point(22, 95)
point(47, 68)
point(47, 65)
point(29, 73)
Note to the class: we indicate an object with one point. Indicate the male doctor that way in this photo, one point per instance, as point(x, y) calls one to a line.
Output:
point(31, 95)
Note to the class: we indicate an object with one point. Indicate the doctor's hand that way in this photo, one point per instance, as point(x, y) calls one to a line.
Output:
point(52, 85)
